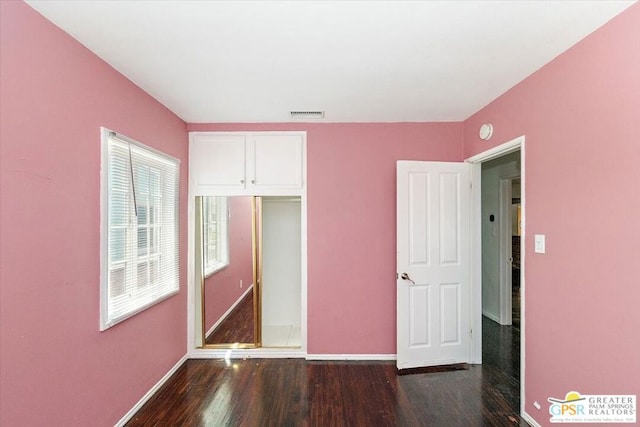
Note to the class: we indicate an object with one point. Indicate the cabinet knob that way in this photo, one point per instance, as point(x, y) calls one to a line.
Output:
point(253, 181)
point(242, 181)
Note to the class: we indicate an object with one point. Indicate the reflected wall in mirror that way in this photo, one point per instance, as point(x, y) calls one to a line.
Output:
point(228, 264)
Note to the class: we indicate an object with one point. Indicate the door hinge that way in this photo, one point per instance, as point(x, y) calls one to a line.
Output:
point(470, 332)
point(397, 277)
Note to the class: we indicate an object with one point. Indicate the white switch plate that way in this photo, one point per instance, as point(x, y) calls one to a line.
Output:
point(539, 243)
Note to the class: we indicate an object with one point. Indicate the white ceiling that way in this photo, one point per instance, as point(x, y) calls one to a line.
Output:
point(360, 61)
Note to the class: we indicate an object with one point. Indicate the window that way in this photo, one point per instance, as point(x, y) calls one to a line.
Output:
point(139, 234)
point(215, 234)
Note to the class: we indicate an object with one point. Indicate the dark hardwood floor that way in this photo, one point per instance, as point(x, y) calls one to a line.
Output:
point(295, 392)
point(238, 326)
point(515, 298)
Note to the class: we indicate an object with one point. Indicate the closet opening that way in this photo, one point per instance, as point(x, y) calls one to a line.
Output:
point(248, 272)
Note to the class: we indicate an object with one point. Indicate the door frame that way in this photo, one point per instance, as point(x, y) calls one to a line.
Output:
point(506, 250)
point(476, 251)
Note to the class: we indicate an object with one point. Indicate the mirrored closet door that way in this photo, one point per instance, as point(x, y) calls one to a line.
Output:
point(249, 250)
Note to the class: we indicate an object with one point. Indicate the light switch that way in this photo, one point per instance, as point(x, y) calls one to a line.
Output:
point(539, 243)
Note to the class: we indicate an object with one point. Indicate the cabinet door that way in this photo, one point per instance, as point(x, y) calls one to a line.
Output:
point(275, 161)
point(218, 162)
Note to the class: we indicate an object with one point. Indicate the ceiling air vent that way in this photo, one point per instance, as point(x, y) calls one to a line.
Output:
point(307, 115)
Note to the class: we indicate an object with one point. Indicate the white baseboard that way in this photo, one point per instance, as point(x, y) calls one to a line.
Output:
point(226, 313)
point(492, 317)
point(151, 392)
point(531, 421)
point(351, 357)
point(250, 353)
point(279, 352)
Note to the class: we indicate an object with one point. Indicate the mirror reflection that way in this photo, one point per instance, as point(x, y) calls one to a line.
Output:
point(228, 257)
point(250, 251)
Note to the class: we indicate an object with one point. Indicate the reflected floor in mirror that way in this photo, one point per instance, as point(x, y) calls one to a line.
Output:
point(296, 392)
point(237, 326)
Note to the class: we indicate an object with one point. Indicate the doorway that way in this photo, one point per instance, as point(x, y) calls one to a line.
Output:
point(501, 340)
point(498, 177)
point(499, 343)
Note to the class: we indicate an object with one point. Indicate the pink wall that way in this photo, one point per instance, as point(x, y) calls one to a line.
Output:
point(579, 114)
point(222, 289)
point(56, 368)
point(581, 118)
point(351, 224)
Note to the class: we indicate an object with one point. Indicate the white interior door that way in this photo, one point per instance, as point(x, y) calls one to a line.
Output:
point(433, 263)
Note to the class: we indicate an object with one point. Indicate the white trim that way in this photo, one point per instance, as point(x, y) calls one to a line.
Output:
point(226, 313)
point(217, 267)
point(247, 353)
point(248, 134)
point(506, 251)
point(151, 392)
point(106, 132)
point(491, 316)
point(191, 270)
point(528, 418)
point(498, 151)
point(303, 250)
point(476, 268)
point(475, 209)
point(351, 357)
point(504, 299)
point(104, 224)
point(523, 235)
point(222, 222)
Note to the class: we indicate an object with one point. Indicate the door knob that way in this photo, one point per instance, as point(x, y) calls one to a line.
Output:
point(405, 276)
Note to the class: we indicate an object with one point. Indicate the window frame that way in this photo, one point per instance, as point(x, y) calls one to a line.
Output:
point(167, 251)
point(211, 267)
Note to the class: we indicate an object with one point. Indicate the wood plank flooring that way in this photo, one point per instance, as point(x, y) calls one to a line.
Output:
point(238, 326)
point(515, 298)
point(296, 392)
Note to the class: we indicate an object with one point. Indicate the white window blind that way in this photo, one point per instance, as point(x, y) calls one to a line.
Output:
point(139, 228)
point(215, 234)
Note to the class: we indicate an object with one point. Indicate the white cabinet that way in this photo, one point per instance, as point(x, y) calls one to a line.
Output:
point(218, 161)
point(259, 163)
point(275, 161)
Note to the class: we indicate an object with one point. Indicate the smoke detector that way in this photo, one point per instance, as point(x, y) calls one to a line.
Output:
point(486, 130)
